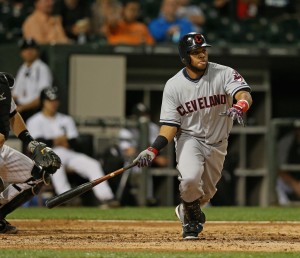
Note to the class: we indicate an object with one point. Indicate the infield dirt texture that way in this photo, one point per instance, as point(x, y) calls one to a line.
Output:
point(152, 235)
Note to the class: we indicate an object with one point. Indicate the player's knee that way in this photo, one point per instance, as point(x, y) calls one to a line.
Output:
point(190, 183)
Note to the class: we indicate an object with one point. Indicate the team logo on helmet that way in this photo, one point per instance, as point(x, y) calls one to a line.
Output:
point(198, 39)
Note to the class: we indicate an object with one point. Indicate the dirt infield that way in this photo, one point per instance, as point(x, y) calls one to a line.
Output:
point(151, 235)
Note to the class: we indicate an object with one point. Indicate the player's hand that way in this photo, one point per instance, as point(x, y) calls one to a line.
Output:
point(44, 156)
point(236, 113)
point(145, 158)
point(237, 110)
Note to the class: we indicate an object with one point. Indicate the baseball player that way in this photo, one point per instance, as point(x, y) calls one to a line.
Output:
point(33, 76)
point(59, 132)
point(20, 177)
point(198, 108)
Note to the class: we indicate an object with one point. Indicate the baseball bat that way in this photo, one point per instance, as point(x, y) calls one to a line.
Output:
point(79, 190)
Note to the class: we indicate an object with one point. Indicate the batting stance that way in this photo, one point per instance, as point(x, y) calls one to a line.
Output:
point(198, 108)
point(20, 177)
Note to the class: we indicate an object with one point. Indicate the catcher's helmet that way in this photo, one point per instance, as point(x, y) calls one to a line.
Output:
point(49, 93)
point(188, 43)
point(7, 79)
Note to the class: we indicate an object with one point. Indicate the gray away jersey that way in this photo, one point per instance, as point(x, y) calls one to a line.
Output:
point(195, 105)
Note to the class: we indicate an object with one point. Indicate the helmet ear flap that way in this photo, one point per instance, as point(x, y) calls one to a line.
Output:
point(186, 60)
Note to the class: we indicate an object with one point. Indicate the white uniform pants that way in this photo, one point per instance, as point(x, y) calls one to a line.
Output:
point(200, 166)
point(84, 166)
point(15, 168)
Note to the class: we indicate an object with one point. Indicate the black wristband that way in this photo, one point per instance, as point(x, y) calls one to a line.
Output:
point(160, 142)
point(25, 137)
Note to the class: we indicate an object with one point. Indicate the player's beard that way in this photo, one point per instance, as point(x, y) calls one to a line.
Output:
point(195, 69)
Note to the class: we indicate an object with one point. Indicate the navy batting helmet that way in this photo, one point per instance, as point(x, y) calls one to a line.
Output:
point(189, 42)
point(7, 79)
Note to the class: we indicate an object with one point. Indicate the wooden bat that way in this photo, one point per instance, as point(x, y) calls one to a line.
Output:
point(78, 190)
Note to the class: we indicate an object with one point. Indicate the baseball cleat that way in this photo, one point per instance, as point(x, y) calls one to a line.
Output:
point(179, 212)
point(190, 229)
point(7, 228)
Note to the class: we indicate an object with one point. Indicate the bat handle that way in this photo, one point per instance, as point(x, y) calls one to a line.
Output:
point(131, 165)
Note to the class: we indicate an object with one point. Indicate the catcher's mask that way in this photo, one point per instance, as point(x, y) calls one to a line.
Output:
point(189, 42)
point(7, 79)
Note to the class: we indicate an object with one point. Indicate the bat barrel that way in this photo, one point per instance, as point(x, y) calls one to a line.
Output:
point(68, 195)
point(74, 192)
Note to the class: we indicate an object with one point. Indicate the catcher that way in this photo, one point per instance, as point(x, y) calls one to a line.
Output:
point(20, 177)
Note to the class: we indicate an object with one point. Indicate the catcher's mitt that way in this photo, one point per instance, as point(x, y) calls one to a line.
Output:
point(44, 156)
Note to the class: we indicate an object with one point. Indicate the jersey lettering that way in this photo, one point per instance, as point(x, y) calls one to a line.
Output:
point(204, 102)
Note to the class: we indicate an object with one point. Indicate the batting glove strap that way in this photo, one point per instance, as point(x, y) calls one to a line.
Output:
point(155, 151)
point(242, 104)
point(145, 158)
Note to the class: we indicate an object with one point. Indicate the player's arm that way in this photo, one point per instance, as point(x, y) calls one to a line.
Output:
point(42, 155)
point(17, 124)
point(244, 100)
point(31, 105)
point(166, 134)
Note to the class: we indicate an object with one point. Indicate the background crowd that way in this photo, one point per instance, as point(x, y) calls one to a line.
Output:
point(136, 22)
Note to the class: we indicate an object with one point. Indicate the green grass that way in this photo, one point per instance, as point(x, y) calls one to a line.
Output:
point(102, 254)
point(161, 213)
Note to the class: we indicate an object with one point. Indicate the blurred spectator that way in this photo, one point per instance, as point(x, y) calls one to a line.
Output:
point(42, 26)
point(223, 7)
point(116, 156)
point(75, 16)
point(104, 13)
point(168, 27)
point(128, 30)
point(130, 142)
point(246, 9)
point(32, 77)
point(288, 182)
point(60, 132)
point(12, 15)
point(150, 9)
point(193, 13)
